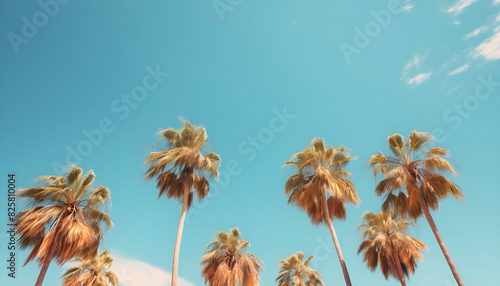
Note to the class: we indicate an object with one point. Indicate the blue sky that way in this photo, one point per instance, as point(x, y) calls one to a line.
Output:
point(351, 73)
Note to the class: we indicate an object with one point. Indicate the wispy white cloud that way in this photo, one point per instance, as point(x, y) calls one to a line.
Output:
point(408, 6)
point(460, 69)
point(413, 67)
point(490, 48)
point(419, 78)
point(460, 6)
point(414, 63)
point(458, 23)
point(137, 273)
point(495, 2)
point(476, 32)
point(455, 88)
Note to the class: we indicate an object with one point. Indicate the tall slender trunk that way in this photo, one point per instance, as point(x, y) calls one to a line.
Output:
point(398, 267)
point(175, 266)
point(48, 259)
point(447, 256)
point(336, 242)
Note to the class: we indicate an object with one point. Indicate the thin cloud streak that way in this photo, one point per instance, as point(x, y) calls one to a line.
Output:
point(419, 78)
point(476, 32)
point(460, 69)
point(460, 6)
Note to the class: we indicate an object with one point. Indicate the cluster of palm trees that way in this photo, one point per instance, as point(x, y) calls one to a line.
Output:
point(67, 218)
point(411, 184)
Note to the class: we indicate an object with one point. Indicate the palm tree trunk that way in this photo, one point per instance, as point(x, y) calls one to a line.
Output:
point(46, 262)
point(440, 241)
point(175, 266)
point(336, 243)
point(398, 267)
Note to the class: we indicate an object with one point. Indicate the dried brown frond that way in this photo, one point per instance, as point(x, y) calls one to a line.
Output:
point(93, 271)
point(66, 216)
point(226, 264)
point(384, 236)
point(407, 180)
point(321, 176)
point(295, 271)
point(181, 165)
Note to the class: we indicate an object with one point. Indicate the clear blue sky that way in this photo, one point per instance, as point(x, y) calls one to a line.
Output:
point(426, 68)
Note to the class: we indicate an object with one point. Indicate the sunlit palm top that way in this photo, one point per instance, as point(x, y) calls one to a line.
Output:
point(92, 272)
point(385, 236)
point(294, 271)
point(226, 264)
point(70, 210)
point(182, 161)
point(415, 169)
point(321, 169)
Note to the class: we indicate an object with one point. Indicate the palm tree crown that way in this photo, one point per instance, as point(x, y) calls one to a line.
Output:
point(225, 264)
point(92, 272)
point(416, 170)
point(183, 163)
point(321, 172)
point(386, 243)
point(72, 213)
point(294, 271)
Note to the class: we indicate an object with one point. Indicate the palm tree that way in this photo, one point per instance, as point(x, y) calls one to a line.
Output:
point(387, 244)
point(92, 272)
point(65, 222)
point(294, 271)
point(182, 170)
point(225, 264)
point(416, 181)
point(321, 187)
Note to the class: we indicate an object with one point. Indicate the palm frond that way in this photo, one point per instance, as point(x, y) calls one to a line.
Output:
point(226, 264)
point(385, 236)
point(320, 171)
point(64, 217)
